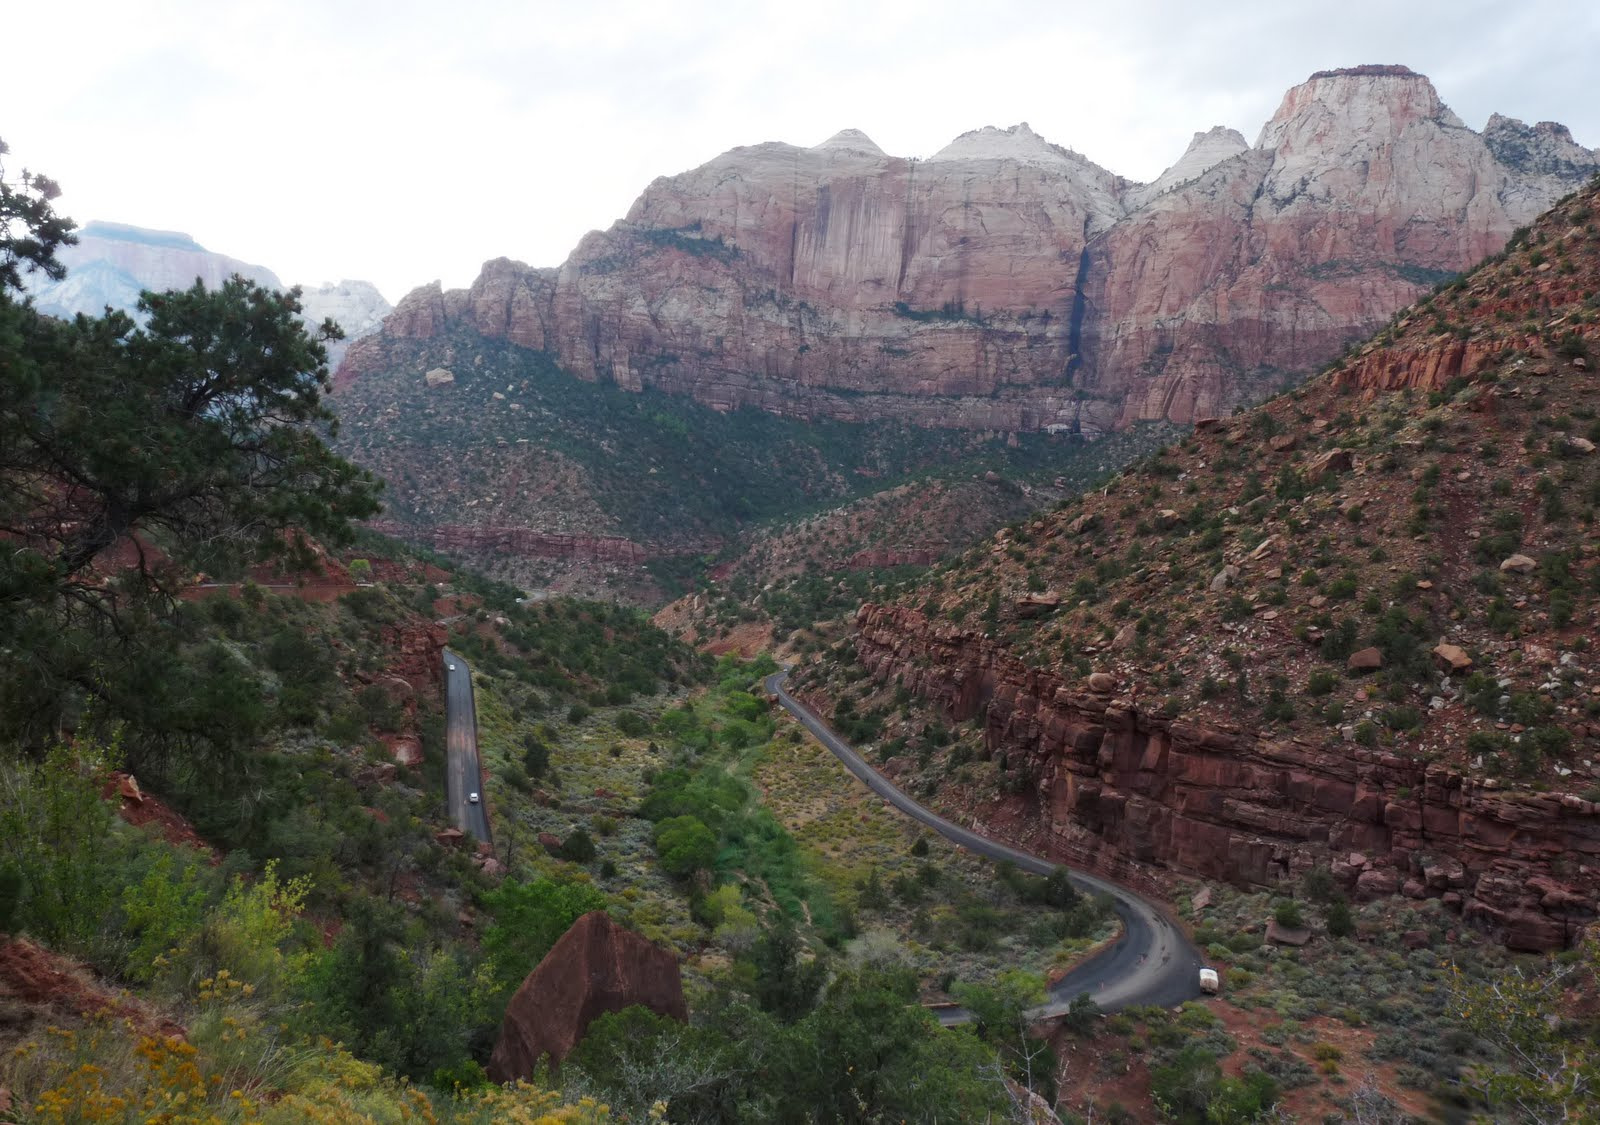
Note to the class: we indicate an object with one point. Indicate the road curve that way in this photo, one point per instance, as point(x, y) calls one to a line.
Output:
point(1153, 962)
point(462, 773)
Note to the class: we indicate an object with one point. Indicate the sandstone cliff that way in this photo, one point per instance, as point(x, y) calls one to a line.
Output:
point(1006, 283)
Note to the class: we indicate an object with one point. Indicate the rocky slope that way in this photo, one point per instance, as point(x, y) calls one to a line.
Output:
point(1351, 629)
point(1007, 283)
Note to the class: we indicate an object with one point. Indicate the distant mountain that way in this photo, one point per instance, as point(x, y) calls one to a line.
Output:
point(1006, 283)
point(113, 262)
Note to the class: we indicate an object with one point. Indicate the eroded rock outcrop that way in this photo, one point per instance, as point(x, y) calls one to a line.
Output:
point(1006, 283)
point(1122, 789)
point(596, 967)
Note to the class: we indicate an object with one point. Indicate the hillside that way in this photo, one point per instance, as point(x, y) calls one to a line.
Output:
point(786, 583)
point(1007, 283)
point(495, 455)
point(1349, 630)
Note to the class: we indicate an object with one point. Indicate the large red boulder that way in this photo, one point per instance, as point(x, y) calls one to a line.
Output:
point(596, 967)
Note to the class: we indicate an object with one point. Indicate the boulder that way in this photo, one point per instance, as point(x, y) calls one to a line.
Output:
point(1102, 683)
point(1378, 882)
point(1519, 564)
point(1451, 658)
point(1287, 935)
point(439, 377)
point(1333, 461)
point(1365, 660)
point(406, 752)
point(1037, 605)
point(1416, 939)
point(1167, 519)
point(1125, 636)
point(1282, 443)
point(1580, 445)
point(1224, 578)
point(596, 967)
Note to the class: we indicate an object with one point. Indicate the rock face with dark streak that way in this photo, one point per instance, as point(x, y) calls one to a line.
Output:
point(1005, 283)
point(1120, 789)
point(596, 967)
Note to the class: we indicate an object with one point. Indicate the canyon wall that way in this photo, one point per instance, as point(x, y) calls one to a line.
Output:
point(1116, 787)
point(1005, 283)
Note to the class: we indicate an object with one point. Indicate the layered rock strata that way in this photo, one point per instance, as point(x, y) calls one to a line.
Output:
point(1117, 787)
point(1006, 283)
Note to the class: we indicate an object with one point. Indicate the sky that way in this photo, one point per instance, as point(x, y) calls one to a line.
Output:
point(404, 142)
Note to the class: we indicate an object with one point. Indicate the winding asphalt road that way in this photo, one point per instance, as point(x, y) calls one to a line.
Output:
point(1153, 962)
point(463, 775)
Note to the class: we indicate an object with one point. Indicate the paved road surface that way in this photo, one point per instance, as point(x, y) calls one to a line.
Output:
point(462, 773)
point(1152, 963)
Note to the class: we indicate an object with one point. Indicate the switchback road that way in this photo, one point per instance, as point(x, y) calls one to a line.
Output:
point(463, 776)
point(1153, 962)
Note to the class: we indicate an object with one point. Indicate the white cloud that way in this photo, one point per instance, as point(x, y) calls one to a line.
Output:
point(407, 141)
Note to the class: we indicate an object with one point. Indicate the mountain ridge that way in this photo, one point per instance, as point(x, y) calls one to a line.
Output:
point(1012, 284)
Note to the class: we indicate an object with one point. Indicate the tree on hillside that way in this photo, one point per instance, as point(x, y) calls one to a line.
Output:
point(131, 457)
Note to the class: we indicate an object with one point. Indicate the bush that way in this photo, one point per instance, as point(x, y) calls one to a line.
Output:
point(685, 845)
point(1341, 922)
point(578, 847)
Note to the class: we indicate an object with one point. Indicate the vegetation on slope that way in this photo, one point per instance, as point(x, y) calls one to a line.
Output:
point(513, 441)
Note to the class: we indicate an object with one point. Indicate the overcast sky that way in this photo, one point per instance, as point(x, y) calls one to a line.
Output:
point(403, 142)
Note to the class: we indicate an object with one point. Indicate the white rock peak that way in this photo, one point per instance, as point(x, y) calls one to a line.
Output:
point(1019, 144)
point(849, 140)
point(356, 306)
point(1357, 101)
point(1205, 151)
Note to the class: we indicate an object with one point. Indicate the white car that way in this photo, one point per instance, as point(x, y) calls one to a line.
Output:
point(472, 798)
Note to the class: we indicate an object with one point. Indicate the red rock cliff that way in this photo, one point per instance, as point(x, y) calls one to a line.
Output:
point(1116, 786)
point(1006, 283)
